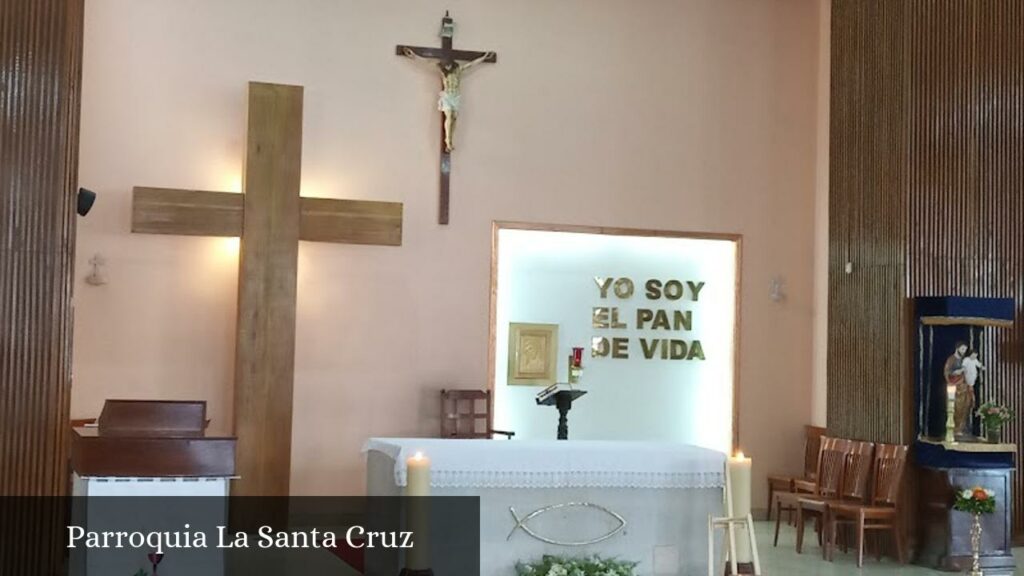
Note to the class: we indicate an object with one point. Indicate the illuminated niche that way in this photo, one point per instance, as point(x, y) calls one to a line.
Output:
point(656, 314)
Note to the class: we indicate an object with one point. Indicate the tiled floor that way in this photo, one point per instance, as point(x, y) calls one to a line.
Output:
point(781, 561)
point(784, 561)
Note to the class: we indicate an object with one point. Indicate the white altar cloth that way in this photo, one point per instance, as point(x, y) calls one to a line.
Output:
point(664, 492)
point(141, 496)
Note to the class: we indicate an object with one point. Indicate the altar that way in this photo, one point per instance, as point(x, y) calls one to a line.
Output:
point(647, 502)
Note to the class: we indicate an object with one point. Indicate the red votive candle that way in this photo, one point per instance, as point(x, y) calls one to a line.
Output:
point(577, 357)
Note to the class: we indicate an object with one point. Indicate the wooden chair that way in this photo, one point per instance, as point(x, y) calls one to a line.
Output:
point(830, 473)
point(467, 414)
point(854, 485)
point(804, 483)
point(882, 512)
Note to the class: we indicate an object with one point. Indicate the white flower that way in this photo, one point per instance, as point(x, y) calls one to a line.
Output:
point(966, 494)
point(557, 570)
point(990, 493)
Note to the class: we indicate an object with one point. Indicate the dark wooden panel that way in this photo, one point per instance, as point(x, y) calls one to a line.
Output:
point(154, 416)
point(265, 355)
point(94, 453)
point(40, 70)
point(940, 213)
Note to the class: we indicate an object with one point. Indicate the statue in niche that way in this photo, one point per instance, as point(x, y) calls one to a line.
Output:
point(955, 372)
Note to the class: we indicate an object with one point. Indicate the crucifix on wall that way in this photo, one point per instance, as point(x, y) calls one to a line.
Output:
point(451, 64)
point(271, 218)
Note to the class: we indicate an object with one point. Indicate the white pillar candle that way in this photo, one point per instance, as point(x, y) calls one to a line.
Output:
point(950, 392)
point(739, 469)
point(417, 483)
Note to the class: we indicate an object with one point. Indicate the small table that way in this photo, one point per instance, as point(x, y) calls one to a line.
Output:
point(563, 401)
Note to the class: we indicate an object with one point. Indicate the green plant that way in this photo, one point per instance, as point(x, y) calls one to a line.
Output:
point(975, 500)
point(562, 566)
point(994, 415)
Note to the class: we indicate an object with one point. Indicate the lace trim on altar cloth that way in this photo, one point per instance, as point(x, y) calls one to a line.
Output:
point(568, 479)
point(487, 464)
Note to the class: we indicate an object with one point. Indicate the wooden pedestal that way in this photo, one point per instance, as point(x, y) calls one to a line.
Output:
point(945, 540)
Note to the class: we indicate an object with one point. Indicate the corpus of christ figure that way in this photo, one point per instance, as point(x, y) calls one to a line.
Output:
point(452, 64)
point(450, 98)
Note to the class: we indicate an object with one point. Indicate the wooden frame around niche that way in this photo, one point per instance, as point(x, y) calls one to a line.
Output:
point(499, 225)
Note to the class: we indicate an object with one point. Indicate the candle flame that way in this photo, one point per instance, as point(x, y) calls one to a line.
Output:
point(739, 455)
point(418, 456)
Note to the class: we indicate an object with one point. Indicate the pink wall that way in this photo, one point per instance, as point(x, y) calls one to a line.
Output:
point(682, 115)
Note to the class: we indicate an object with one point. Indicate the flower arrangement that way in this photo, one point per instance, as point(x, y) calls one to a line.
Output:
point(562, 566)
point(975, 500)
point(994, 415)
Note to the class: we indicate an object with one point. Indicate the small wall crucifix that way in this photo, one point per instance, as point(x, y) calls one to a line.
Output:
point(451, 64)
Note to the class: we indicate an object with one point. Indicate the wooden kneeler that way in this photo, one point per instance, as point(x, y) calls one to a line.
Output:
point(729, 524)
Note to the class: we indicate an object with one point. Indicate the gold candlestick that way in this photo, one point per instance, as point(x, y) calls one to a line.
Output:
point(950, 420)
point(976, 546)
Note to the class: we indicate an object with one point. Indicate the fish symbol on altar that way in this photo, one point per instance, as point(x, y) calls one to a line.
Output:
point(522, 523)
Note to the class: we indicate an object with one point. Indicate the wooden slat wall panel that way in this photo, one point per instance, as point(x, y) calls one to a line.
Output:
point(40, 69)
point(951, 83)
point(866, 222)
point(966, 188)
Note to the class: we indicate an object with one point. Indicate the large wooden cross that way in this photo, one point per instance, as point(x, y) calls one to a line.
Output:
point(449, 98)
point(271, 218)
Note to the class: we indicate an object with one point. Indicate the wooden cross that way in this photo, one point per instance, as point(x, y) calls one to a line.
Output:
point(448, 102)
point(271, 218)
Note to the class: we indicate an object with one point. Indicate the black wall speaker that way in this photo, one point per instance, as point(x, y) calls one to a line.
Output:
point(86, 198)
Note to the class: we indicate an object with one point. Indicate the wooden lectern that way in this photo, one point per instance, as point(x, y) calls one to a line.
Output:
point(151, 439)
point(165, 470)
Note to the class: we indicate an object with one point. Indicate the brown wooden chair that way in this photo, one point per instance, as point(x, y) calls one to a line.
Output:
point(804, 483)
point(882, 512)
point(853, 488)
point(830, 472)
point(467, 414)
